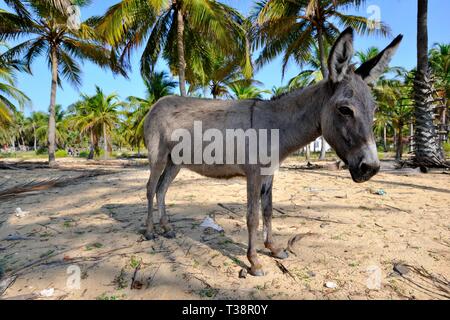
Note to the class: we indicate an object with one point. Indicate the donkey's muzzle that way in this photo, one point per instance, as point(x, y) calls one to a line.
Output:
point(365, 171)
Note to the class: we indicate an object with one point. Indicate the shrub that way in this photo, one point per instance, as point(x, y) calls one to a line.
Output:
point(61, 153)
point(447, 147)
point(41, 151)
point(7, 155)
point(83, 154)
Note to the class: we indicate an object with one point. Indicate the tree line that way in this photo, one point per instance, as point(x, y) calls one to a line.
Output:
point(213, 50)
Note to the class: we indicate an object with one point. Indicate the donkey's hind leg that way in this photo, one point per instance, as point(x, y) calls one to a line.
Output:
point(156, 169)
point(165, 180)
point(266, 208)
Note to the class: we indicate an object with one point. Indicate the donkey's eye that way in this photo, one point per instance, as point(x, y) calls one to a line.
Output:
point(346, 111)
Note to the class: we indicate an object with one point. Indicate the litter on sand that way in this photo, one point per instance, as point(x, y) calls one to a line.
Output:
point(331, 285)
point(20, 213)
point(209, 223)
point(47, 292)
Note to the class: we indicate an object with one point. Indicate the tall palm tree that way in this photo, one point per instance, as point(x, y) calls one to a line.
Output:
point(48, 34)
point(427, 153)
point(175, 29)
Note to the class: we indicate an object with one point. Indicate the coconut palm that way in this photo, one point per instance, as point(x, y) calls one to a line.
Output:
point(292, 27)
point(61, 132)
point(47, 33)
point(80, 117)
point(158, 85)
point(11, 98)
point(427, 151)
point(395, 103)
point(243, 91)
point(35, 121)
point(98, 115)
point(175, 29)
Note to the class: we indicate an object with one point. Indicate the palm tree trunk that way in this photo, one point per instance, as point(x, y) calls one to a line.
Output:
point(51, 118)
point(324, 69)
point(35, 138)
point(105, 142)
point(399, 151)
point(91, 147)
point(411, 134)
point(385, 138)
point(308, 153)
point(181, 58)
point(426, 145)
point(322, 53)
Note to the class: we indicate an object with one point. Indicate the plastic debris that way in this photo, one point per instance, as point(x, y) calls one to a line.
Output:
point(47, 292)
point(20, 213)
point(379, 192)
point(331, 285)
point(209, 223)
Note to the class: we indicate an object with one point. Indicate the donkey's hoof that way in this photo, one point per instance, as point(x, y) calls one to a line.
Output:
point(281, 254)
point(170, 234)
point(150, 235)
point(256, 272)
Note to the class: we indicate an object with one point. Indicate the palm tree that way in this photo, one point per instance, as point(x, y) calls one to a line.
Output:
point(35, 121)
point(8, 90)
point(296, 27)
point(98, 115)
point(177, 29)
point(242, 91)
point(48, 34)
point(427, 153)
point(42, 130)
point(395, 104)
point(80, 114)
point(158, 85)
point(440, 66)
point(293, 27)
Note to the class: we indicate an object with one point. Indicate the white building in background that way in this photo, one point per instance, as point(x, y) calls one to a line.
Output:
point(316, 146)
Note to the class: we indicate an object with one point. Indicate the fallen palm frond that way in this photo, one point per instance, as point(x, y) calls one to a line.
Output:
point(40, 185)
point(428, 283)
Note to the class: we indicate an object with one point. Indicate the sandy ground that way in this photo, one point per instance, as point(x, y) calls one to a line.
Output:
point(355, 236)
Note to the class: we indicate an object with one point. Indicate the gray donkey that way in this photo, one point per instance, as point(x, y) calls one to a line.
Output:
point(341, 108)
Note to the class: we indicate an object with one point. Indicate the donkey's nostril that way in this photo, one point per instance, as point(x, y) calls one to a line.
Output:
point(368, 168)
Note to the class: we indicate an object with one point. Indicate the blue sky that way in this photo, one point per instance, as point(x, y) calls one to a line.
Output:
point(400, 15)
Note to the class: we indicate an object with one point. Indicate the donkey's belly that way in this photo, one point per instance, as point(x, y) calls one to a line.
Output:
point(217, 171)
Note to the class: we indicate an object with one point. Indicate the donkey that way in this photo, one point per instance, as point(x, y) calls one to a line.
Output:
point(341, 108)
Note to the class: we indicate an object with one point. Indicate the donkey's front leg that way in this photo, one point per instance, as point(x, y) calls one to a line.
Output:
point(266, 208)
point(253, 200)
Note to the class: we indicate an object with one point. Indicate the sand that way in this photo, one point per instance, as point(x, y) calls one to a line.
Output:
point(355, 235)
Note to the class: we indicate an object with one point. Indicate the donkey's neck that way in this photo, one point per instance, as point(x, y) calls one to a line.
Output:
point(297, 115)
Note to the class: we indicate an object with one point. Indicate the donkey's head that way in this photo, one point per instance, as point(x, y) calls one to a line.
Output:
point(348, 115)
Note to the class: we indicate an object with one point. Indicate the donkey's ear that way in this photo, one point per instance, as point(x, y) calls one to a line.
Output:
point(371, 70)
point(340, 56)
